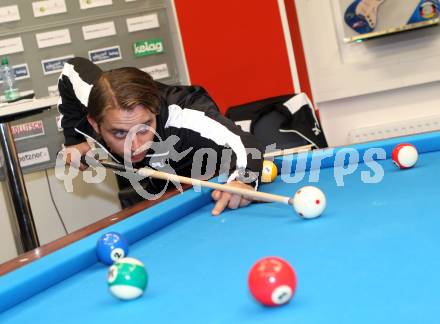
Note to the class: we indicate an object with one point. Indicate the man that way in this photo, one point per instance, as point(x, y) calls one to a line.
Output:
point(139, 121)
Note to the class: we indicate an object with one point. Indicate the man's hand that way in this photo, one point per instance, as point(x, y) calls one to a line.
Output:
point(73, 154)
point(232, 201)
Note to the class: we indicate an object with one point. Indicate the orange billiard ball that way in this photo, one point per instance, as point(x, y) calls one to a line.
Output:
point(269, 172)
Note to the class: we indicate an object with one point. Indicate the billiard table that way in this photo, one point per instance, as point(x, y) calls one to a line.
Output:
point(372, 257)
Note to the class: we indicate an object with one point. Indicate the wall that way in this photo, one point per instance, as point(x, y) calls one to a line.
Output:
point(235, 49)
point(293, 34)
point(87, 204)
point(379, 82)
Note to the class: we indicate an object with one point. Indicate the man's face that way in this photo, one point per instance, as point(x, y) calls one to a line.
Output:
point(136, 126)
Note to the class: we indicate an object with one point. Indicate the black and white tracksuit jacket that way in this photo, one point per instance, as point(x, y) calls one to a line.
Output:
point(187, 112)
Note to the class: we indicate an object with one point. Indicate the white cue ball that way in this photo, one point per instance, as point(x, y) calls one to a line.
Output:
point(309, 202)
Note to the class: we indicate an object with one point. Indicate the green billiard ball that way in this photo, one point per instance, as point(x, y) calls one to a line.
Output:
point(127, 278)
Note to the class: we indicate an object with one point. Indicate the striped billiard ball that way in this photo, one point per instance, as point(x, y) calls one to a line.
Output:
point(269, 171)
point(127, 278)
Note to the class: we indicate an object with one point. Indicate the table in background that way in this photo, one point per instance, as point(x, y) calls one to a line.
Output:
point(22, 209)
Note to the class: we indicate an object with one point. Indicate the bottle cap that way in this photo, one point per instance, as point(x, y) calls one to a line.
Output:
point(5, 61)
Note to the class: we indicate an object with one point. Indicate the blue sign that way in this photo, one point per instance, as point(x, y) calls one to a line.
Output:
point(55, 65)
point(21, 71)
point(103, 55)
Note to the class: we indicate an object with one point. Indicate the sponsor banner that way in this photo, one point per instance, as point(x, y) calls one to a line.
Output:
point(49, 7)
point(34, 157)
point(11, 46)
point(53, 38)
point(99, 30)
point(55, 65)
point(104, 55)
point(87, 4)
point(157, 72)
point(53, 90)
point(9, 13)
point(21, 71)
point(142, 23)
point(28, 130)
point(148, 47)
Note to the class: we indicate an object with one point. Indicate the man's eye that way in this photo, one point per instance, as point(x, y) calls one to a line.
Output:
point(144, 129)
point(119, 134)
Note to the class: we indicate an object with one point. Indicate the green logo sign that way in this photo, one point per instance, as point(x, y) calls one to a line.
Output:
point(148, 47)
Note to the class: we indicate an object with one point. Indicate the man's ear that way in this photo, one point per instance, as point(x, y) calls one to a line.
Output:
point(93, 123)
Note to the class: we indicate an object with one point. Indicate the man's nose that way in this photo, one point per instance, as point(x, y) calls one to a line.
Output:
point(135, 143)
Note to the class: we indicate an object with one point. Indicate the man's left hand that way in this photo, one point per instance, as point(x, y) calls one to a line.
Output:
point(230, 200)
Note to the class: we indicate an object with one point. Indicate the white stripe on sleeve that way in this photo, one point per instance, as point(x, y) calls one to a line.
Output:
point(208, 128)
point(80, 87)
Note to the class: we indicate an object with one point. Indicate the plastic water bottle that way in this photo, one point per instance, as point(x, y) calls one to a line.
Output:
point(10, 90)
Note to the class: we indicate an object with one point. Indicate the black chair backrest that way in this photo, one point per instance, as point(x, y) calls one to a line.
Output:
point(271, 121)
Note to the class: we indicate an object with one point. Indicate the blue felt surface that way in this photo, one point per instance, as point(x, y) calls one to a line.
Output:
point(43, 273)
point(371, 258)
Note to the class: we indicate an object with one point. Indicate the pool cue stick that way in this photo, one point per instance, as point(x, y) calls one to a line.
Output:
point(294, 150)
point(257, 195)
point(262, 196)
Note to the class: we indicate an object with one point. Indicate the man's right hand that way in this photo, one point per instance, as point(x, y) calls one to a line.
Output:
point(73, 158)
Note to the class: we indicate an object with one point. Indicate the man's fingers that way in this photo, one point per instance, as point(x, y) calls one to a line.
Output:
point(221, 204)
point(74, 162)
point(225, 199)
point(72, 154)
point(216, 194)
point(83, 167)
point(234, 201)
point(244, 202)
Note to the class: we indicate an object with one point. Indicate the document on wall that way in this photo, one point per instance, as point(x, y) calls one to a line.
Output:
point(48, 7)
point(9, 13)
point(87, 4)
point(99, 30)
point(53, 38)
point(11, 46)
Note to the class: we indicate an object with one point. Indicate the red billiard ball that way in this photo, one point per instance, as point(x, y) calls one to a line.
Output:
point(405, 155)
point(272, 281)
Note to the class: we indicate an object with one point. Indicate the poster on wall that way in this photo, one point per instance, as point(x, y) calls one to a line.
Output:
point(365, 19)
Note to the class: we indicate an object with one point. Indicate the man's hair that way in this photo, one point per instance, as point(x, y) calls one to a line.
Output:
point(123, 88)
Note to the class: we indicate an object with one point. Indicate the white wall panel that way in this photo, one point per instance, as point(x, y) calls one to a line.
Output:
point(381, 81)
point(340, 70)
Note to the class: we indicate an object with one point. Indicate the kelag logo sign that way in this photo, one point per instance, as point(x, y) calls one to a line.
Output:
point(148, 47)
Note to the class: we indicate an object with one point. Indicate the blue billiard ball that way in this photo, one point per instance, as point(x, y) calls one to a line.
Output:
point(111, 247)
